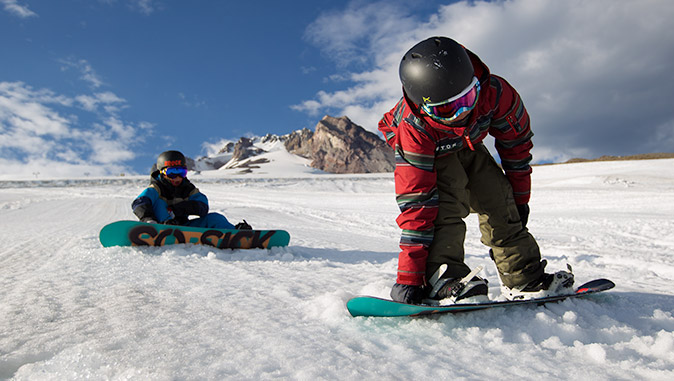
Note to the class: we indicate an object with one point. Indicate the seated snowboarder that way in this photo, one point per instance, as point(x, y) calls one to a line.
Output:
point(171, 198)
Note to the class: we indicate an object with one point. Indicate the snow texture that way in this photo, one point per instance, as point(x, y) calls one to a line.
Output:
point(73, 310)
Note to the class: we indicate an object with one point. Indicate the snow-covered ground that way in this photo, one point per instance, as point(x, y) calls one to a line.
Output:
point(272, 158)
point(70, 309)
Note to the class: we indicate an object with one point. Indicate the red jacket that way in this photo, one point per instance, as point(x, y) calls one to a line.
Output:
point(418, 140)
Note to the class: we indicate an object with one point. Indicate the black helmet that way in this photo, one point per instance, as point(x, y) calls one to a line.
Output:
point(435, 70)
point(171, 159)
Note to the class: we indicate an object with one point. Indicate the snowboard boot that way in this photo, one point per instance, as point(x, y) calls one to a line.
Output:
point(453, 290)
point(559, 283)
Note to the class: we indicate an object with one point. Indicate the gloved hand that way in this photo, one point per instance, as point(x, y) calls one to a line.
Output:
point(149, 220)
point(243, 226)
point(189, 208)
point(523, 210)
point(405, 293)
point(172, 221)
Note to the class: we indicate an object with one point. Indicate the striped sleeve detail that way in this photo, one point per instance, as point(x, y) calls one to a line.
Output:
point(398, 113)
point(388, 125)
point(516, 165)
point(418, 160)
point(418, 125)
point(497, 88)
point(516, 120)
point(417, 200)
point(508, 144)
point(416, 238)
point(415, 187)
point(510, 127)
point(389, 136)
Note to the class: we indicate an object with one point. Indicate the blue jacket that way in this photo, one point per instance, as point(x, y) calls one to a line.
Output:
point(161, 198)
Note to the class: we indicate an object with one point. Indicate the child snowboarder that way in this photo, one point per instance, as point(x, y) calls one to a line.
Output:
point(171, 198)
point(443, 171)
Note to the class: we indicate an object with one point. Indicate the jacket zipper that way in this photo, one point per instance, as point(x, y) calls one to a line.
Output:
point(467, 138)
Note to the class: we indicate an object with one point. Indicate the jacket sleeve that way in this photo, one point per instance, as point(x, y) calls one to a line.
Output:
point(197, 204)
point(416, 195)
point(190, 208)
point(510, 127)
point(143, 205)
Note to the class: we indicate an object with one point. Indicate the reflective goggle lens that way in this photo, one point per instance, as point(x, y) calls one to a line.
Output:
point(450, 109)
point(173, 172)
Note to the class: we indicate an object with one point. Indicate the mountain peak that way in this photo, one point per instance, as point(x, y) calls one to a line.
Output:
point(337, 146)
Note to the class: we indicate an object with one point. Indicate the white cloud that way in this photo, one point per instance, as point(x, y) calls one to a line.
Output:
point(109, 151)
point(213, 149)
point(108, 101)
point(37, 130)
point(28, 124)
point(87, 73)
point(349, 37)
point(192, 101)
point(146, 7)
point(594, 75)
point(13, 7)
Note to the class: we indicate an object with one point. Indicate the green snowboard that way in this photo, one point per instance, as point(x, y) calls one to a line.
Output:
point(373, 306)
point(135, 233)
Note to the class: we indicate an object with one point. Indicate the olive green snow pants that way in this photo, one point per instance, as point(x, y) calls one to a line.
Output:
point(472, 181)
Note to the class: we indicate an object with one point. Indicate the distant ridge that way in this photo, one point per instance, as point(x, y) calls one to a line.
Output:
point(643, 156)
point(336, 146)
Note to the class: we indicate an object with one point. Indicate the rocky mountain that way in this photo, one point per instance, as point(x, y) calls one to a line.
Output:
point(336, 146)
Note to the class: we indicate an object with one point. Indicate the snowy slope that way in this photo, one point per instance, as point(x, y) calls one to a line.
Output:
point(73, 310)
point(274, 160)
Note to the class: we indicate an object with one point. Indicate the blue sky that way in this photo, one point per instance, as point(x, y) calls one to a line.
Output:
point(102, 86)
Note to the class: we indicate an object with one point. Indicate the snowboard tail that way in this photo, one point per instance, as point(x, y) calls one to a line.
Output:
point(135, 233)
point(373, 306)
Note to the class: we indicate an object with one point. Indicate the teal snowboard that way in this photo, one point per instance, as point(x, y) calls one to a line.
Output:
point(373, 306)
point(135, 233)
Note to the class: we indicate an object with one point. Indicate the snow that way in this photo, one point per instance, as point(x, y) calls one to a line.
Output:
point(73, 310)
point(274, 160)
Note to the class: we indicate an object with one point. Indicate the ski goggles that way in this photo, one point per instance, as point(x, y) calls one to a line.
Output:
point(173, 172)
point(450, 109)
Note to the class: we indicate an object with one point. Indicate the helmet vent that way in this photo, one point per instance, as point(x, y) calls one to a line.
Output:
point(417, 55)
